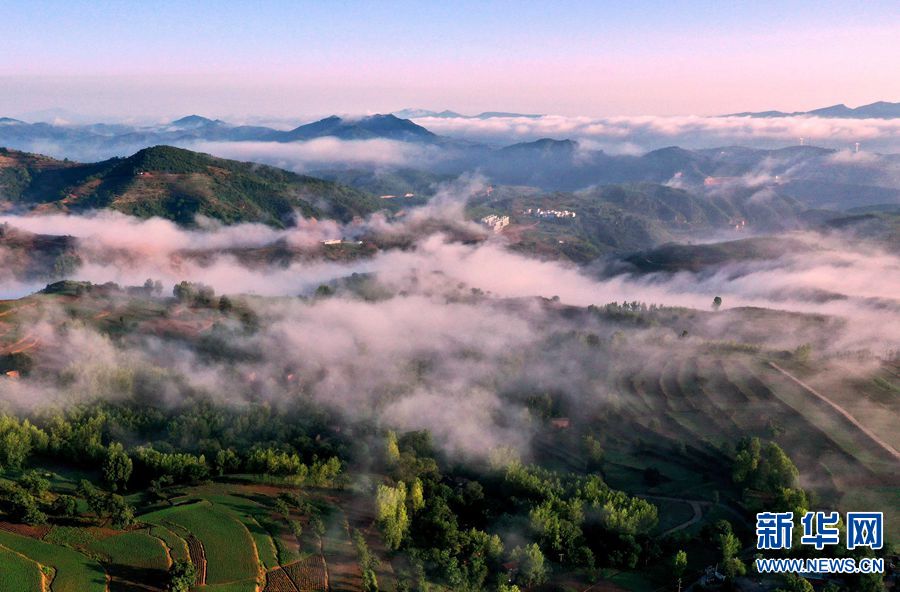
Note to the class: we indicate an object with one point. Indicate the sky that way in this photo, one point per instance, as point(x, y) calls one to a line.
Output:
point(121, 59)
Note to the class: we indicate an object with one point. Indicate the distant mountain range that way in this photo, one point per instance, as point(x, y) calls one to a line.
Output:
point(106, 140)
point(879, 110)
point(447, 114)
point(817, 176)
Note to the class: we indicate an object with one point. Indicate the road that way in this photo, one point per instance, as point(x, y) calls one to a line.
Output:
point(884, 445)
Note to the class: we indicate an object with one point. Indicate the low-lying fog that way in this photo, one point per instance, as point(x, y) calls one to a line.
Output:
point(436, 354)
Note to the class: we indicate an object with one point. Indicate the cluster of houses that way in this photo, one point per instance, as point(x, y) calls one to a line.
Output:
point(340, 241)
point(737, 223)
point(542, 213)
point(495, 222)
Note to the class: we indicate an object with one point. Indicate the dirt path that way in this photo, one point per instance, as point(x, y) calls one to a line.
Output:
point(843, 412)
point(696, 506)
point(698, 514)
point(26, 343)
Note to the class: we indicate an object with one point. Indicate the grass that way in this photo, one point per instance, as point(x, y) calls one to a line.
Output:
point(18, 572)
point(136, 549)
point(74, 571)
point(230, 550)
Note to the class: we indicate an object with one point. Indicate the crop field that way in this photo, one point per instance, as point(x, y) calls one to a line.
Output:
point(308, 573)
point(228, 547)
point(177, 546)
point(252, 515)
point(134, 549)
point(19, 572)
point(74, 571)
point(688, 411)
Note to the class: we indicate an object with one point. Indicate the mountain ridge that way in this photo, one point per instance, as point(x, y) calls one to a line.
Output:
point(876, 110)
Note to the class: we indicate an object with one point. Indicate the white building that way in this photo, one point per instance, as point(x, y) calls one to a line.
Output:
point(495, 222)
point(542, 213)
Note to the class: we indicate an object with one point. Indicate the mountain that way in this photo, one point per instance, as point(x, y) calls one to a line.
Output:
point(399, 183)
point(877, 110)
point(673, 257)
point(195, 122)
point(93, 141)
point(492, 114)
point(374, 126)
point(623, 218)
point(175, 184)
point(545, 147)
point(414, 113)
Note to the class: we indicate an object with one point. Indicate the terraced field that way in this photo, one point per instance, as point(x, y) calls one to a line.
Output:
point(308, 574)
point(133, 556)
point(177, 546)
point(229, 550)
point(19, 572)
point(74, 571)
point(688, 410)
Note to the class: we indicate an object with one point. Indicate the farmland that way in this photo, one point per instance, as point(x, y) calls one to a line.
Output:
point(262, 496)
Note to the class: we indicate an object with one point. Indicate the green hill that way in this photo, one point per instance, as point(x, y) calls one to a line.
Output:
point(178, 185)
point(622, 218)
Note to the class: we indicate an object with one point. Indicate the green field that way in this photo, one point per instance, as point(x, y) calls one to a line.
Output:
point(178, 548)
point(230, 551)
point(18, 572)
point(136, 549)
point(74, 571)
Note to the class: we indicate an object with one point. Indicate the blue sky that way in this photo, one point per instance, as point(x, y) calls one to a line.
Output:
point(593, 58)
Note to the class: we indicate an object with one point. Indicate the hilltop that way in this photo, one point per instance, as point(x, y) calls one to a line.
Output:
point(877, 110)
point(175, 184)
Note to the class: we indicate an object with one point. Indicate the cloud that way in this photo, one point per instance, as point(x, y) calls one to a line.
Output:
point(325, 152)
point(458, 340)
point(624, 134)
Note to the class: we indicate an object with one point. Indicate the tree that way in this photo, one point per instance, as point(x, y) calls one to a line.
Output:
point(370, 582)
point(717, 302)
point(679, 566)
point(65, 506)
point(416, 496)
point(595, 452)
point(181, 576)
point(117, 467)
point(802, 353)
point(296, 528)
point(391, 449)
point(794, 583)
point(227, 461)
point(765, 468)
point(730, 546)
point(17, 440)
point(225, 305)
point(532, 568)
point(391, 516)
point(120, 513)
point(34, 483)
point(23, 507)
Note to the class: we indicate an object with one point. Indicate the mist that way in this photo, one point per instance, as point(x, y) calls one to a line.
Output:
point(447, 336)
